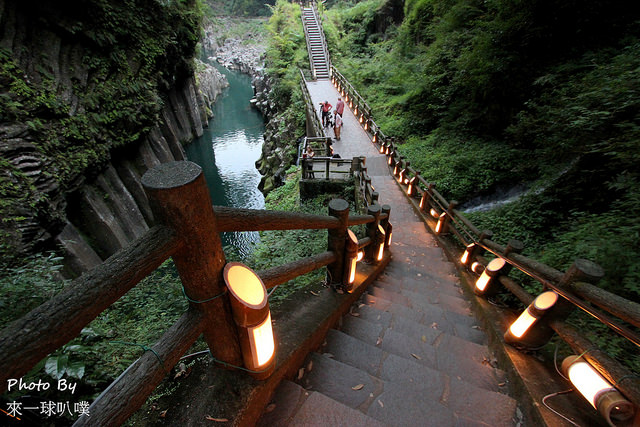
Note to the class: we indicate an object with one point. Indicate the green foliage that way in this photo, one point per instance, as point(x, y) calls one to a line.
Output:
point(100, 353)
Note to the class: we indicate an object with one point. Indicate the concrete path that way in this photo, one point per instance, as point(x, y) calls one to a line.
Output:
point(410, 352)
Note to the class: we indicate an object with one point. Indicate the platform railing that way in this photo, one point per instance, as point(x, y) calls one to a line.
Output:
point(188, 231)
point(576, 288)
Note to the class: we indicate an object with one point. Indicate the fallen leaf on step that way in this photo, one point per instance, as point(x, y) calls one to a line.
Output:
point(163, 413)
point(424, 339)
point(310, 365)
point(502, 384)
point(475, 327)
point(357, 387)
point(416, 356)
point(434, 325)
point(217, 420)
point(370, 394)
point(270, 407)
point(379, 341)
point(315, 293)
point(300, 373)
point(419, 274)
point(360, 305)
point(380, 403)
point(355, 314)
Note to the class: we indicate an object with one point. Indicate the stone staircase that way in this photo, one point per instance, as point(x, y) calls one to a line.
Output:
point(316, 44)
point(408, 353)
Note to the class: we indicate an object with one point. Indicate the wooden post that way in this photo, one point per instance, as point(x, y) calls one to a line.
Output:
point(581, 270)
point(337, 239)
point(372, 232)
point(180, 199)
point(425, 200)
point(442, 227)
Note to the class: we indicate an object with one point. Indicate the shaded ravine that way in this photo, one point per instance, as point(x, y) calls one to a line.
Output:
point(227, 152)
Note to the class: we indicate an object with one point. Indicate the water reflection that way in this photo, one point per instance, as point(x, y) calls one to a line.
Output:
point(227, 153)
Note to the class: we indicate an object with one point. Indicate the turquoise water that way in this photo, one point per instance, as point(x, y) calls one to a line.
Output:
point(227, 153)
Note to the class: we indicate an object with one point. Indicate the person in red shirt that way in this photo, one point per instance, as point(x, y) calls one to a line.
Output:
point(339, 106)
point(325, 107)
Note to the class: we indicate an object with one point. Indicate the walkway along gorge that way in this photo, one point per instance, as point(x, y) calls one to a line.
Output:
point(398, 348)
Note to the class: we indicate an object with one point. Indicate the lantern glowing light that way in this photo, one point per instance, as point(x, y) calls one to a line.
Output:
point(464, 259)
point(351, 258)
point(490, 272)
point(616, 410)
point(250, 308)
point(381, 238)
point(412, 183)
point(441, 222)
point(434, 213)
point(534, 311)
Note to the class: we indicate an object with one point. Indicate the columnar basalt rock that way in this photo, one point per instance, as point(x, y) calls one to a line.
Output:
point(92, 213)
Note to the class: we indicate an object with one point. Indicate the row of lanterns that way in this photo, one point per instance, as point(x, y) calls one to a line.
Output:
point(349, 100)
point(600, 393)
point(250, 304)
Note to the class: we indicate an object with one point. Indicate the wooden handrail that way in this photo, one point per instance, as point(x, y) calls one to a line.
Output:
point(24, 342)
point(240, 219)
point(130, 390)
point(275, 276)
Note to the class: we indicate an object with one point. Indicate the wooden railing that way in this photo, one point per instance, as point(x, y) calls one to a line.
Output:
point(188, 231)
point(576, 287)
point(324, 165)
point(314, 125)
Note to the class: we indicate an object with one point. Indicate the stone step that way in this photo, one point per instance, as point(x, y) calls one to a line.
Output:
point(435, 318)
point(425, 297)
point(425, 282)
point(408, 394)
point(430, 347)
point(294, 406)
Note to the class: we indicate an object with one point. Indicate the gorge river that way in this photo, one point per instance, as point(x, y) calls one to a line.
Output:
point(227, 153)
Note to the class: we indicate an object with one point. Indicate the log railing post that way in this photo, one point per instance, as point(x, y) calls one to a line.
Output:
point(180, 200)
point(581, 270)
point(442, 227)
point(372, 231)
point(337, 239)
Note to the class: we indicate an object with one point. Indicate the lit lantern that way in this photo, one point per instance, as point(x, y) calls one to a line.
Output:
point(423, 200)
point(380, 242)
point(391, 158)
point(477, 268)
point(616, 410)
point(486, 279)
point(412, 184)
point(434, 213)
point(360, 256)
point(402, 172)
point(387, 241)
point(361, 118)
point(366, 126)
point(386, 151)
point(468, 253)
point(250, 308)
point(535, 311)
point(355, 112)
point(351, 258)
point(375, 137)
point(395, 169)
point(441, 226)
point(381, 148)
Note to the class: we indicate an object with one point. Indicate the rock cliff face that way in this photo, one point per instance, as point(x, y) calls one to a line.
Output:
point(107, 213)
point(88, 214)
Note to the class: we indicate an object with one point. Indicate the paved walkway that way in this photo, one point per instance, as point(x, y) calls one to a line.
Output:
point(410, 353)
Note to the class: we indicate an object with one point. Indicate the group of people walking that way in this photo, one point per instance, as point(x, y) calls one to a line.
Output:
point(325, 109)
